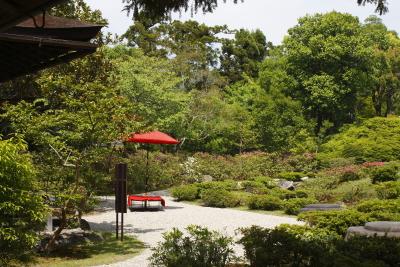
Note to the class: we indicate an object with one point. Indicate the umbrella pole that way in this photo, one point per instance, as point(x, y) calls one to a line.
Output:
point(146, 186)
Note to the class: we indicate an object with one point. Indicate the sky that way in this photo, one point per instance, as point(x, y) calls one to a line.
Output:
point(273, 17)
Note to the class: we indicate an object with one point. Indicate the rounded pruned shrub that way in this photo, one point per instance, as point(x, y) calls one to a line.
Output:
point(307, 246)
point(219, 198)
point(254, 187)
point(226, 185)
point(265, 202)
point(380, 205)
point(291, 176)
point(388, 190)
point(292, 206)
point(199, 247)
point(185, 192)
point(337, 221)
point(386, 173)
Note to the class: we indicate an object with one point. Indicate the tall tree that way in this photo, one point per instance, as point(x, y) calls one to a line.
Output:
point(386, 72)
point(330, 60)
point(243, 54)
point(191, 47)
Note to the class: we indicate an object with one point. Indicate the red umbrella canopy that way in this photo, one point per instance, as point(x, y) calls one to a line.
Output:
point(153, 138)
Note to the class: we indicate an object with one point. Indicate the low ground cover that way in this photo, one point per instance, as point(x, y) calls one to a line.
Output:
point(105, 252)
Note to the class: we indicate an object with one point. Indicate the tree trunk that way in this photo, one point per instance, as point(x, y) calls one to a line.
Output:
point(63, 223)
point(389, 102)
point(377, 103)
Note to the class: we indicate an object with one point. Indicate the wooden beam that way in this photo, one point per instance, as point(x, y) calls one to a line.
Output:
point(73, 45)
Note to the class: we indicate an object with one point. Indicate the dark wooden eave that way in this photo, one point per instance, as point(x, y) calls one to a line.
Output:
point(13, 12)
point(27, 48)
point(21, 54)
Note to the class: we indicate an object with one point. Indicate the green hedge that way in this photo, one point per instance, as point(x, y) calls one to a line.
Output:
point(186, 192)
point(337, 221)
point(304, 246)
point(219, 198)
point(265, 202)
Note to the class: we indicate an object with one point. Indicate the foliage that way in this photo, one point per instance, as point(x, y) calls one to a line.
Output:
point(265, 202)
point(321, 51)
point(159, 11)
point(286, 246)
point(242, 55)
point(305, 246)
point(292, 206)
point(219, 198)
point(337, 221)
point(291, 176)
point(200, 247)
point(388, 190)
point(21, 204)
point(388, 172)
point(373, 140)
point(185, 192)
point(163, 170)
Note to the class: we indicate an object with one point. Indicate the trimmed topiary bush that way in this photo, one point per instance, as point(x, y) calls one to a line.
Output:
point(304, 246)
point(219, 198)
point(185, 192)
point(388, 190)
point(337, 221)
point(291, 176)
point(265, 202)
point(386, 173)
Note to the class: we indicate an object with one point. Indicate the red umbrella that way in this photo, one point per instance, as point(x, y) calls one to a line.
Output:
point(155, 137)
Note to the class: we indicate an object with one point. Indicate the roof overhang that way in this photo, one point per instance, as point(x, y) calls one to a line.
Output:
point(13, 12)
point(27, 47)
point(21, 54)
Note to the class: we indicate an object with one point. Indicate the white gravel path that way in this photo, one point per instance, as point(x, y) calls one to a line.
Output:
point(149, 226)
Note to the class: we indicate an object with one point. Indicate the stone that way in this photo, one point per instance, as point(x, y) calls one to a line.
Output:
point(371, 229)
point(305, 178)
point(207, 178)
point(383, 226)
point(70, 237)
point(321, 207)
point(289, 185)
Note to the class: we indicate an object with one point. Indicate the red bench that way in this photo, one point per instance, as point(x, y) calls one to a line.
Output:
point(145, 199)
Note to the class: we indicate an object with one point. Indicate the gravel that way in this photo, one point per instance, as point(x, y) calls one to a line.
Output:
point(149, 226)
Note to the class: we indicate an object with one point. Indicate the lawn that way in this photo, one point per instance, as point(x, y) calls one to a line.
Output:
point(106, 252)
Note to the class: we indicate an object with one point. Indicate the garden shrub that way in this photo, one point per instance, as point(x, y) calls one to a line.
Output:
point(386, 173)
point(304, 246)
point(254, 187)
point(293, 206)
point(375, 139)
point(379, 205)
point(200, 247)
point(291, 176)
point(22, 209)
point(337, 221)
point(226, 185)
point(219, 198)
point(266, 181)
point(388, 190)
point(349, 175)
point(264, 202)
point(185, 192)
point(281, 247)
